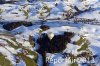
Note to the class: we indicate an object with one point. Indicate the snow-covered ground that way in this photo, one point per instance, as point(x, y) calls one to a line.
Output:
point(18, 45)
point(48, 10)
point(90, 32)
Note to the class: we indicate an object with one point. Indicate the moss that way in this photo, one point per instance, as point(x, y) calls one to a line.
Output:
point(29, 51)
point(10, 43)
point(33, 53)
point(40, 31)
point(47, 8)
point(14, 39)
point(1, 11)
point(26, 13)
point(28, 61)
point(4, 61)
point(84, 46)
point(74, 64)
point(80, 41)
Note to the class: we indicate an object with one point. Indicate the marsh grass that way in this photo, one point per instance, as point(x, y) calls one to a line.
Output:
point(4, 61)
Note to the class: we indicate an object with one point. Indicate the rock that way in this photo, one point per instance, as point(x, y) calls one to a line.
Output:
point(44, 27)
point(13, 25)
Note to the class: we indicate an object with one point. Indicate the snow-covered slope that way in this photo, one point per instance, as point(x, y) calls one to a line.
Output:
point(50, 19)
point(89, 32)
point(49, 10)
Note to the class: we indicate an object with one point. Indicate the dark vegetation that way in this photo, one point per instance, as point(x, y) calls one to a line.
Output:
point(13, 25)
point(10, 2)
point(55, 45)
